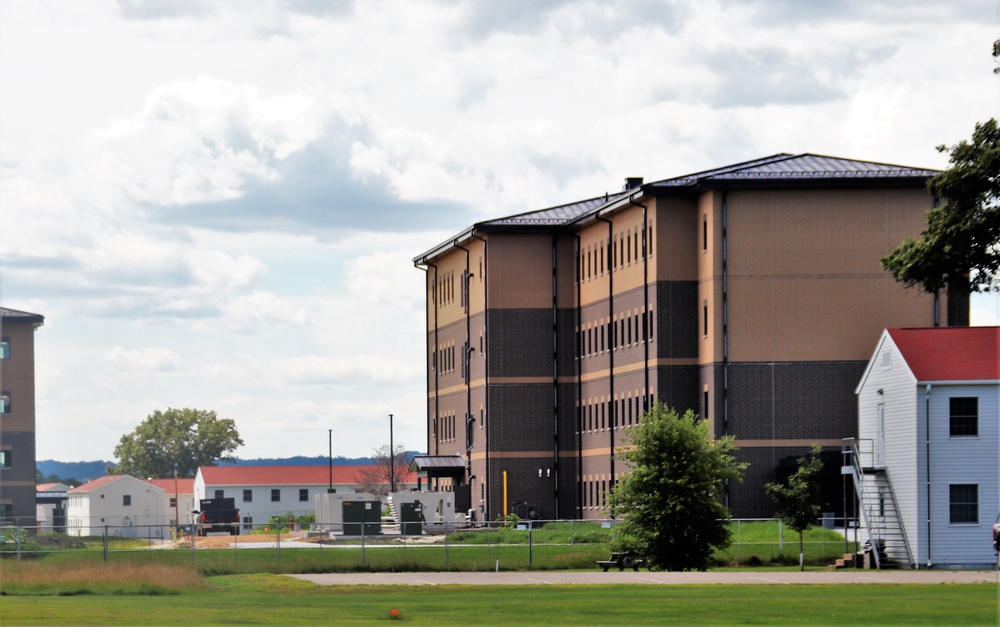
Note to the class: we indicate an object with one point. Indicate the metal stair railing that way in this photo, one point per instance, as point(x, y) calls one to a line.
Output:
point(876, 523)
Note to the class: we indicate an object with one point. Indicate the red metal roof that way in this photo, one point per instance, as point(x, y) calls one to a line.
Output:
point(97, 483)
point(290, 475)
point(183, 486)
point(950, 353)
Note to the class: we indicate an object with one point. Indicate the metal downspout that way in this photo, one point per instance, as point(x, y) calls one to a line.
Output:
point(486, 374)
point(555, 378)
point(725, 315)
point(611, 353)
point(467, 357)
point(927, 468)
point(645, 302)
point(434, 306)
point(725, 325)
point(579, 386)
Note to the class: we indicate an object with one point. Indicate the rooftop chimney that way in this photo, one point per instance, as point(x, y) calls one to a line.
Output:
point(632, 182)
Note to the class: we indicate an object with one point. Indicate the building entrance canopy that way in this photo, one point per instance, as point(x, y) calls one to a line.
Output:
point(440, 466)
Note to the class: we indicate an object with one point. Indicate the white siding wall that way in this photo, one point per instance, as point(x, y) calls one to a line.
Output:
point(966, 460)
point(89, 514)
point(898, 387)
point(261, 507)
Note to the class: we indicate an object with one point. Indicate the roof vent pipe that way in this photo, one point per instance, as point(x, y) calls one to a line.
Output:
point(632, 182)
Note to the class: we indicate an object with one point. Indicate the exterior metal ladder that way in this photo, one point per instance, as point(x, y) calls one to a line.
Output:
point(879, 510)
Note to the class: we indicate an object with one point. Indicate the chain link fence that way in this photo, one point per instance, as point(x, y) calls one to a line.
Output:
point(404, 546)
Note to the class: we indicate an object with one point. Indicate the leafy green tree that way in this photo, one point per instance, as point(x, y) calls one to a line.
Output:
point(960, 247)
point(181, 438)
point(798, 497)
point(669, 504)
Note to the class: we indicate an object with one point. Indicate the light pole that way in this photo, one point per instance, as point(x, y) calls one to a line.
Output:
point(392, 460)
point(177, 501)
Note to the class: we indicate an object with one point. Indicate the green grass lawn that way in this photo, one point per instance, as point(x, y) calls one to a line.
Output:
point(276, 600)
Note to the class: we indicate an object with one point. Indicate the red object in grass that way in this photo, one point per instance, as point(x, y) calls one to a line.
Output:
point(394, 613)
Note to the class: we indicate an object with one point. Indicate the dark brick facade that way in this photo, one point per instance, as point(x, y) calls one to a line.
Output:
point(793, 400)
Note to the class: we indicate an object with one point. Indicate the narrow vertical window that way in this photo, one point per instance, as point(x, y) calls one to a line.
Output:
point(704, 233)
point(4, 348)
point(704, 318)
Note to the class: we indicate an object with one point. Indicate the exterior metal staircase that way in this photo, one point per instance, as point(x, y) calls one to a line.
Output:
point(392, 510)
point(879, 510)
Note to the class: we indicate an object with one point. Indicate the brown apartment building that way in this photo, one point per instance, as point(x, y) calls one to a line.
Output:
point(17, 416)
point(751, 294)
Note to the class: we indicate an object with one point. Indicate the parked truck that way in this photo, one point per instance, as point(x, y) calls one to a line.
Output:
point(218, 515)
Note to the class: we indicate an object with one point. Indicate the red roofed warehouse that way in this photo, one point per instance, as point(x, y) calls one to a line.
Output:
point(261, 492)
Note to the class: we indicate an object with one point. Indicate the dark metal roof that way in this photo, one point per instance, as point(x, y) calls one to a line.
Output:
point(553, 216)
point(776, 171)
point(423, 463)
point(13, 315)
point(797, 169)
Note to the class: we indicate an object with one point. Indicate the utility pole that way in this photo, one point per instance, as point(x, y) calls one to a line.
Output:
point(329, 490)
point(392, 460)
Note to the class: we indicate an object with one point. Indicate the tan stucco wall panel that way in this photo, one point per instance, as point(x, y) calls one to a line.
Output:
point(516, 276)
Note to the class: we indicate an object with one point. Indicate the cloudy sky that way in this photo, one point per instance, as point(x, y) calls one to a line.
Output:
point(216, 204)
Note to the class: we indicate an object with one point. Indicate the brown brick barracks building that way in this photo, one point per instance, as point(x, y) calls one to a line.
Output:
point(17, 416)
point(751, 294)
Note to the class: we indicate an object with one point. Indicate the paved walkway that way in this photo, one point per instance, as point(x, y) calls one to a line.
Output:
point(644, 577)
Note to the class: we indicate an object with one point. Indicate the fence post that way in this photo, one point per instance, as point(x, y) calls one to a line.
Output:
point(363, 525)
point(530, 545)
point(278, 543)
point(17, 541)
point(105, 544)
point(781, 539)
point(739, 540)
point(446, 544)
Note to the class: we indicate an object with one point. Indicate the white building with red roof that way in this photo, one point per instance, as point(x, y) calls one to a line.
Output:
point(929, 445)
point(178, 500)
point(261, 492)
point(123, 505)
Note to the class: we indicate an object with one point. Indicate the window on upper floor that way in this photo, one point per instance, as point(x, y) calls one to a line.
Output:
point(303, 494)
point(220, 494)
point(6, 459)
point(963, 420)
point(4, 348)
point(275, 495)
point(6, 511)
point(4, 402)
point(963, 503)
point(126, 500)
point(248, 496)
point(173, 501)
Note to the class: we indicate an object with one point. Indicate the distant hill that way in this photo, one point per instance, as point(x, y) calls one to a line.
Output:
point(88, 471)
